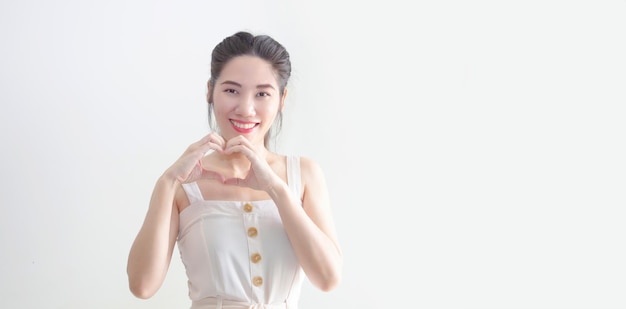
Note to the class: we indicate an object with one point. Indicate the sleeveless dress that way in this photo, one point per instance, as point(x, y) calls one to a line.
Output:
point(236, 253)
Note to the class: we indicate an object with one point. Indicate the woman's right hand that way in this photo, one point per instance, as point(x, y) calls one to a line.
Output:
point(188, 167)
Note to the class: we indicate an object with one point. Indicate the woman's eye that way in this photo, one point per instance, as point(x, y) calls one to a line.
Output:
point(230, 91)
point(263, 94)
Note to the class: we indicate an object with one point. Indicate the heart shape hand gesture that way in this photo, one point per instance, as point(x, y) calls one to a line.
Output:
point(260, 176)
point(189, 168)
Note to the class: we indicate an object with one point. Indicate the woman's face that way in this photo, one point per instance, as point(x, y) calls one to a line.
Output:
point(246, 98)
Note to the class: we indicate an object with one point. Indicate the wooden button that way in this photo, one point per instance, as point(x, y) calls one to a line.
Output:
point(257, 281)
point(252, 232)
point(247, 207)
point(255, 258)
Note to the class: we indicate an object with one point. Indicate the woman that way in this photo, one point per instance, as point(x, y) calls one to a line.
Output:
point(250, 223)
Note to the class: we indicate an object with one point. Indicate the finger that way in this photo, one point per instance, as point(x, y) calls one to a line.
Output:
point(217, 139)
point(204, 148)
point(215, 142)
point(244, 149)
point(206, 139)
point(206, 174)
point(238, 140)
point(211, 141)
point(238, 144)
point(209, 138)
point(234, 182)
point(216, 147)
point(199, 143)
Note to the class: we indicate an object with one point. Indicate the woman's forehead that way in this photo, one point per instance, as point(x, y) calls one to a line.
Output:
point(248, 71)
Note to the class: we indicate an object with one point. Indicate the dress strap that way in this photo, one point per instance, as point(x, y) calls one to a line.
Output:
point(193, 192)
point(294, 178)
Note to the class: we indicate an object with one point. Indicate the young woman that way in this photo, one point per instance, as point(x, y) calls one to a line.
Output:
point(250, 224)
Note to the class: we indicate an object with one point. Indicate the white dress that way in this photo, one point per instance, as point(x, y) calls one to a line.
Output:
point(236, 253)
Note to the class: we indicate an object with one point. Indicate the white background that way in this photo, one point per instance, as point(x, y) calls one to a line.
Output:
point(474, 149)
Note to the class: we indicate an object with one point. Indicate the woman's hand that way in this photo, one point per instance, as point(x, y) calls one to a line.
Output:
point(260, 176)
point(188, 167)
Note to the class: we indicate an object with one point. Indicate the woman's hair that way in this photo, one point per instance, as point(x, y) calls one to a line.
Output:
point(262, 46)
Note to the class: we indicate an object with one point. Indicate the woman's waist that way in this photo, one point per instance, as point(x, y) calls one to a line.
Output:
point(219, 303)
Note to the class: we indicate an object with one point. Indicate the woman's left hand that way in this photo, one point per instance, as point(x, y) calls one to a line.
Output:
point(260, 176)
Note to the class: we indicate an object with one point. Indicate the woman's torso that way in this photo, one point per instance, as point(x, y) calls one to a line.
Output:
point(238, 250)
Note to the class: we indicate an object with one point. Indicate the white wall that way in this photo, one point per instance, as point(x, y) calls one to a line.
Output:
point(474, 149)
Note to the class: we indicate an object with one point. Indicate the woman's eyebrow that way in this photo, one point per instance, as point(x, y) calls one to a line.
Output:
point(230, 82)
point(265, 86)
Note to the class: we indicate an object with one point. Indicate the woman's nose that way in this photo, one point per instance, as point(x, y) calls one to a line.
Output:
point(246, 106)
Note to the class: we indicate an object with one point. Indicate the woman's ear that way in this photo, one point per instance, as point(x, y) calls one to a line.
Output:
point(209, 93)
point(282, 100)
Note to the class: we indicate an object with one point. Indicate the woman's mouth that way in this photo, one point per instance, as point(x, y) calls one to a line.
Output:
point(243, 127)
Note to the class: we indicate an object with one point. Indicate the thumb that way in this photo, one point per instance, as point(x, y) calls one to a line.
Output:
point(233, 181)
point(206, 174)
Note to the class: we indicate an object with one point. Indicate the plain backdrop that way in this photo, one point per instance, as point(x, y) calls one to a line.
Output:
point(474, 150)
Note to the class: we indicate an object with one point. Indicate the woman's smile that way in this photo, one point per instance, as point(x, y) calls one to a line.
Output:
point(243, 127)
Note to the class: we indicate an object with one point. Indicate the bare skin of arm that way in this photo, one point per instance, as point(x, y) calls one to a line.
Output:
point(151, 252)
point(310, 228)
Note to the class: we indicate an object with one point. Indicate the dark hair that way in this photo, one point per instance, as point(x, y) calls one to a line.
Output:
point(262, 46)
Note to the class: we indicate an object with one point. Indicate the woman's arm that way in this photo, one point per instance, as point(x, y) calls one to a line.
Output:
point(151, 252)
point(310, 228)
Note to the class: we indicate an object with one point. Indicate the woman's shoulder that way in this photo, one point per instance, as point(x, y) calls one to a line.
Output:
point(310, 169)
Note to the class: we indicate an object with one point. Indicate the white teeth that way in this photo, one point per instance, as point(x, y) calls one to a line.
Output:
point(243, 125)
